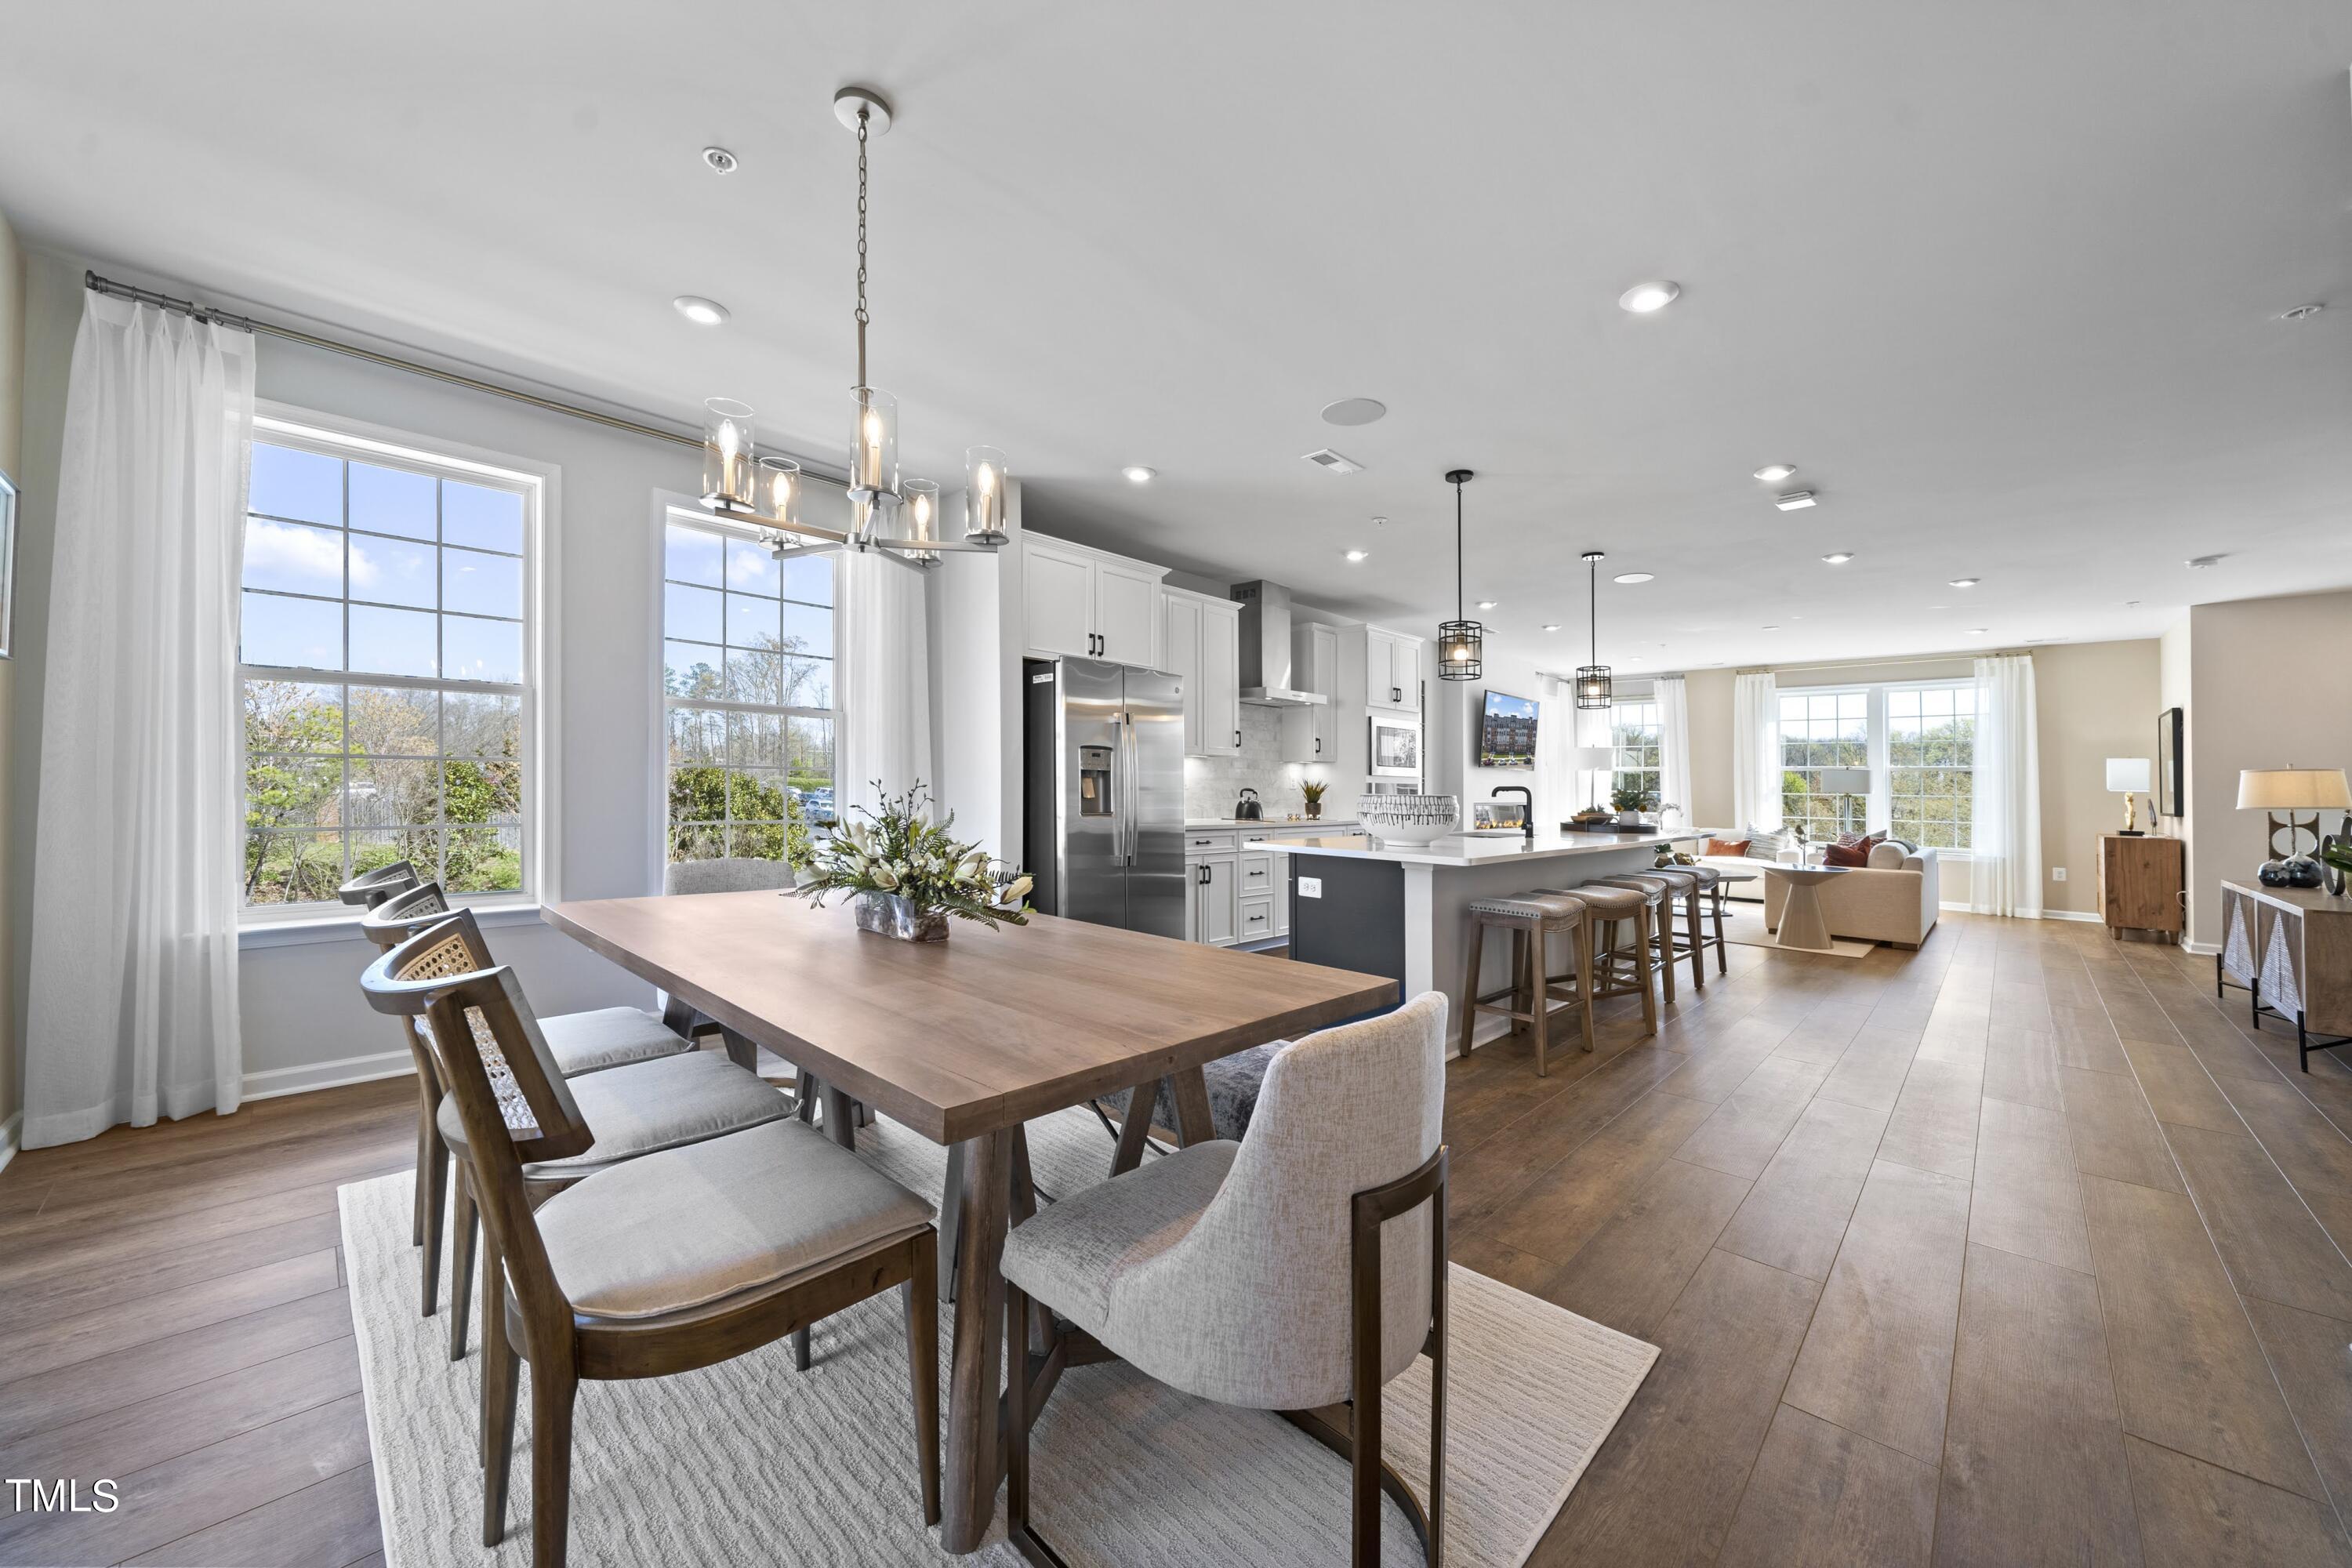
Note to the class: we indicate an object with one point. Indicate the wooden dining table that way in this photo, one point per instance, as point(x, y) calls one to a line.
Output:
point(964, 1041)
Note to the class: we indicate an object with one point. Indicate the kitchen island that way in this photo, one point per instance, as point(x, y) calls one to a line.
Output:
point(1403, 909)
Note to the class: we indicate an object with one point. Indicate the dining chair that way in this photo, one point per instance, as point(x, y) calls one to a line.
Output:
point(1299, 1268)
point(738, 874)
point(369, 888)
point(582, 1043)
point(633, 1270)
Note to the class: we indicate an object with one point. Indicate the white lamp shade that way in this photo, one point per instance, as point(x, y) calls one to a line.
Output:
point(2294, 789)
point(1595, 759)
point(1843, 781)
point(2127, 775)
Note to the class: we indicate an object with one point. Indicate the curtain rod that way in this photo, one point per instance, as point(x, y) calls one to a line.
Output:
point(92, 281)
point(1860, 663)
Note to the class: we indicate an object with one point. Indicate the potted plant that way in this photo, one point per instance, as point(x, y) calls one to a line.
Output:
point(908, 874)
point(1313, 790)
point(1632, 801)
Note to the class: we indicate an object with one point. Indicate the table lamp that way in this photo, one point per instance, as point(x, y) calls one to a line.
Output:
point(1844, 782)
point(2129, 776)
point(2291, 789)
point(1595, 760)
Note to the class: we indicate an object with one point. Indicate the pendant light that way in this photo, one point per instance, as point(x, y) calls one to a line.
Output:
point(1459, 642)
point(1594, 690)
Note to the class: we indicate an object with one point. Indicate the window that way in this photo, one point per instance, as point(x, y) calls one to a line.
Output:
point(386, 654)
point(748, 682)
point(1931, 736)
point(1821, 730)
point(1633, 736)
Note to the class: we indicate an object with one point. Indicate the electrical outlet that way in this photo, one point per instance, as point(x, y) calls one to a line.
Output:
point(2057, 873)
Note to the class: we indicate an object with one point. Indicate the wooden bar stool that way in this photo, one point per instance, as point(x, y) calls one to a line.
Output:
point(1531, 918)
point(1675, 885)
point(1618, 969)
point(1711, 893)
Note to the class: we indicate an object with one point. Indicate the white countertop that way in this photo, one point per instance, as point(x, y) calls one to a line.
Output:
point(1457, 850)
point(1271, 824)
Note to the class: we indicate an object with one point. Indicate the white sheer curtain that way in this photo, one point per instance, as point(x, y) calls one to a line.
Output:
point(1673, 745)
point(132, 1008)
point(885, 697)
point(1755, 751)
point(2005, 869)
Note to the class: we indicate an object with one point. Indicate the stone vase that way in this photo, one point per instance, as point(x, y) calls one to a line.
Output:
point(894, 915)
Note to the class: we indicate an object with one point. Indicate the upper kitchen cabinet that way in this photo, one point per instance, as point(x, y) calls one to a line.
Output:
point(1391, 670)
point(1311, 734)
point(1089, 604)
point(1201, 646)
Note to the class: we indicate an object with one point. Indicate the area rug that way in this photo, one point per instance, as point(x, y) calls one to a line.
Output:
point(1743, 924)
point(751, 1461)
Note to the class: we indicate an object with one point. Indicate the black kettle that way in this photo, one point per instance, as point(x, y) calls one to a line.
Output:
point(1247, 808)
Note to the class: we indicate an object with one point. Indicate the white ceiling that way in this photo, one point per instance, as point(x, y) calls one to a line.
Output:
point(2004, 280)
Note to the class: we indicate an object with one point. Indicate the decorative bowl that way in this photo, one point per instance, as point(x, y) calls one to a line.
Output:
point(1409, 818)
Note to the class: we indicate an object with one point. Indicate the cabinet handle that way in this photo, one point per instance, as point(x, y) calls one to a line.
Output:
point(1237, 740)
point(1318, 745)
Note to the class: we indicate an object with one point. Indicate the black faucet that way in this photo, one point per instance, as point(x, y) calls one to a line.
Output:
point(1525, 794)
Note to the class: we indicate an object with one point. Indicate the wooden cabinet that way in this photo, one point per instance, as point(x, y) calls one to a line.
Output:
point(2141, 882)
point(1078, 603)
point(1201, 646)
point(2292, 947)
point(1391, 670)
point(1312, 734)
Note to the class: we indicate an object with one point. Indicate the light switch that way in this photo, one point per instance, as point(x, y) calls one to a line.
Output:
point(2057, 873)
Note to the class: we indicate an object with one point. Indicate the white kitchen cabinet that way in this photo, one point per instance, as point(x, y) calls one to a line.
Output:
point(1391, 670)
point(1202, 646)
point(1086, 604)
point(1311, 734)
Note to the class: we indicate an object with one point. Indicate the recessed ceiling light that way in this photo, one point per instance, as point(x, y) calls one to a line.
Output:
point(2201, 561)
point(1962, 582)
point(699, 310)
point(1793, 501)
point(1979, 631)
point(1354, 411)
point(1359, 555)
point(1489, 603)
point(1768, 629)
point(1137, 474)
point(720, 160)
point(2302, 312)
point(1838, 557)
point(1773, 473)
point(1551, 626)
point(1634, 577)
point(1644, 298)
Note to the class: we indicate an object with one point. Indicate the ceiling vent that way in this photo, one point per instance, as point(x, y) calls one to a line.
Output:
point(1327, 458)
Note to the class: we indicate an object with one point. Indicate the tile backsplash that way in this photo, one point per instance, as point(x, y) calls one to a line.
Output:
point(1211, 784)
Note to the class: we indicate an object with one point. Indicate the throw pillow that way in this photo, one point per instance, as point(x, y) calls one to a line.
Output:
point(1845, 855)
point(1888, 855)
point(1734, 847)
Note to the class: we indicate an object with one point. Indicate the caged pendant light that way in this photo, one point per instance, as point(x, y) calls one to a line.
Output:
point(1594, 690)
point(1460, 643)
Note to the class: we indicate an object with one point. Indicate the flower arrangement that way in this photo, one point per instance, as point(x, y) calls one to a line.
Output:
point(910, 874)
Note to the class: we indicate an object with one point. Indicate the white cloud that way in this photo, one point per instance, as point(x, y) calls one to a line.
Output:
point(280, 549)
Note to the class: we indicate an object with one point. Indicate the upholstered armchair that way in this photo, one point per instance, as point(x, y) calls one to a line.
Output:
point(1299, 1268)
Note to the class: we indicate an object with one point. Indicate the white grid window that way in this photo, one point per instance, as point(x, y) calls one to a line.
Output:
point(1633, 737)
point(748, 683)
point(384, 650)
point(1821, 730)
point(1931, 762)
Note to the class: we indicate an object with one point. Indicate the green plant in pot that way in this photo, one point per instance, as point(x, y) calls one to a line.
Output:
point(908, 874)
point(1632, 801)
point(1313, 790)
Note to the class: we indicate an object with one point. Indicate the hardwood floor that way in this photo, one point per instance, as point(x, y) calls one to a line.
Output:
point(2016, 1249)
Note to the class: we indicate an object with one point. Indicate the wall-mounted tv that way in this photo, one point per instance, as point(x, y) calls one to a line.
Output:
point(1507, 732)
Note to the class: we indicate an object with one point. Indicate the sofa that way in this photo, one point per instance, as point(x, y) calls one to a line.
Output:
point(1895, 898)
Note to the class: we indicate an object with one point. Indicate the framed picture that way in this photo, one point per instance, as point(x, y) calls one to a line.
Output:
point(7, 567)
point(2170, 789)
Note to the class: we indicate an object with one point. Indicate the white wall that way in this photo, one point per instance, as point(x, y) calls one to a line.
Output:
point(303, 1014)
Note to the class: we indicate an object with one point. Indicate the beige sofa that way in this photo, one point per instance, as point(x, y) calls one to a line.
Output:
point(1894, 899)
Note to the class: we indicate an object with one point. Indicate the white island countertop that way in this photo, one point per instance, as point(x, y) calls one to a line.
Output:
point(1463, 852)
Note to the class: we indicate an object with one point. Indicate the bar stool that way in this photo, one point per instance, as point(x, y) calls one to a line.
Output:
point(1618, 970)
point(1660, 890)
point(1711, 895)
point(1680, 883)
point(1530, 919)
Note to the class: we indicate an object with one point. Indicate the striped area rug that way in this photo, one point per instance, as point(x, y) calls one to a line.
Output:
point(751, 1461)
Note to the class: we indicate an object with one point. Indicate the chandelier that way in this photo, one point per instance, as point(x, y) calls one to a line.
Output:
point(737, 482)
point(1594, 690)
point(1459, 641)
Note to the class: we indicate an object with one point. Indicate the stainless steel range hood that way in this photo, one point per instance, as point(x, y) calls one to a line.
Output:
point(1265, 647)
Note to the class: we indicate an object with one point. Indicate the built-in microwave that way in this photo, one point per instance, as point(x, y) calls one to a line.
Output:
point(1395, 749)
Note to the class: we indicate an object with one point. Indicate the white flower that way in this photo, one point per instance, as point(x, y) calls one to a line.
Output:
point(1019, 890)
point(884, 879)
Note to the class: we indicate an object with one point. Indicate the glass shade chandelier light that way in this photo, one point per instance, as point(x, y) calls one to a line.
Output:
point(1460, 642)
point(1594, 689)
point(736, 482)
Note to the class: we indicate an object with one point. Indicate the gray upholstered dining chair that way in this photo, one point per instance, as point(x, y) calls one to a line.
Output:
point(678, 1259)
point(1299, 1268)
point(581, 1042)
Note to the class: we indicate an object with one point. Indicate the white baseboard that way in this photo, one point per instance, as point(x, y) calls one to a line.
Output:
point(2201, 949)
point(2085, 916)
point(10, 1136)
point(276, 1081)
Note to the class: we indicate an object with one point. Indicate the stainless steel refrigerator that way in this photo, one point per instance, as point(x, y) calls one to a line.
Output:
point(1103, 798)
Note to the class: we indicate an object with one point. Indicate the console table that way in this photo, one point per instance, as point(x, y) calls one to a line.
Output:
point(2290, 949)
